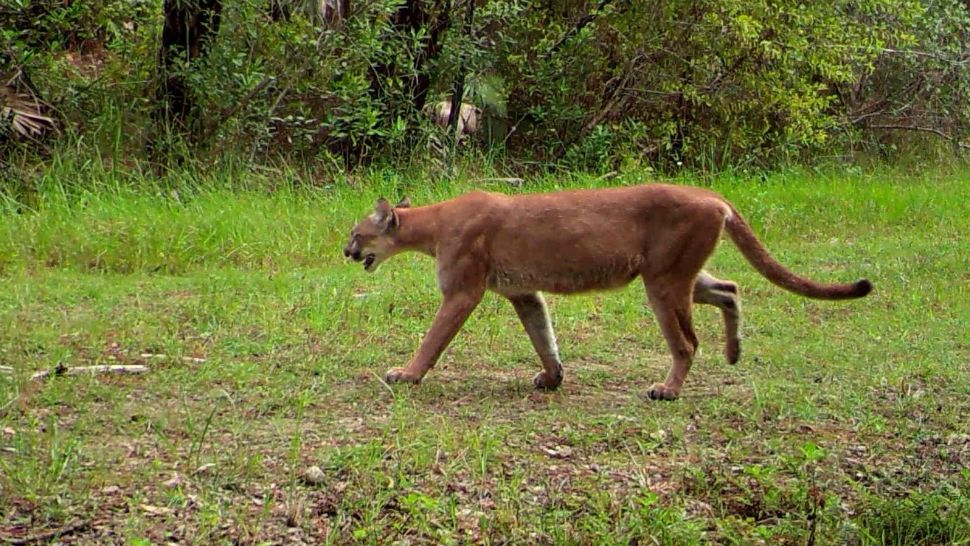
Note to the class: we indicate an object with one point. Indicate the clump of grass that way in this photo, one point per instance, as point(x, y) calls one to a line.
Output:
point(940, 516)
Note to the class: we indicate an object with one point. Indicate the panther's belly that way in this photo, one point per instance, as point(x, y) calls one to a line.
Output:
point(562, 278)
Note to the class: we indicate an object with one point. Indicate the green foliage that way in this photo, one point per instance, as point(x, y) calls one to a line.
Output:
point(705, 84)
point(923, 85)
point(722, 81)
point(42, 26)
point(319, 92)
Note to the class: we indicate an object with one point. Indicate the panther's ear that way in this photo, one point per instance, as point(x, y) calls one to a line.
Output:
point(404, 203)
point(384, 215)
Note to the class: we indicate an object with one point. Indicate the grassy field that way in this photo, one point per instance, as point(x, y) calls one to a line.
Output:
point(844, 423)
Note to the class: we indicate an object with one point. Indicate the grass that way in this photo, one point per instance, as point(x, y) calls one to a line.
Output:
point(844, 423)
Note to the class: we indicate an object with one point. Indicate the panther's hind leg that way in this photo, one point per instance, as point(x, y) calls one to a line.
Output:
point(723, 295)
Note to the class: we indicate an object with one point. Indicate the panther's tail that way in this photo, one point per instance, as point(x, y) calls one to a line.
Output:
point(758, 256)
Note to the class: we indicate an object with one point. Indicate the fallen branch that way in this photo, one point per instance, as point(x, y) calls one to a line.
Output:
point(46, 536)
point(6, 369)
point(185, 358)
point(79, 370)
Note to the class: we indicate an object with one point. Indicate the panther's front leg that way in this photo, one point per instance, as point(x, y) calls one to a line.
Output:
point(461, 289)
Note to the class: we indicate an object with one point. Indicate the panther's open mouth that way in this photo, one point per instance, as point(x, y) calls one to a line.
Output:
point(369, 261)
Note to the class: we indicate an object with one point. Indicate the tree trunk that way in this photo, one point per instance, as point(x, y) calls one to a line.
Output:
point(458, 95)
point(190, 27)
point(412, 16)
point(280, 10)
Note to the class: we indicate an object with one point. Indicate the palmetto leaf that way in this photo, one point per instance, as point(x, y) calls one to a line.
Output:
point(23, 113)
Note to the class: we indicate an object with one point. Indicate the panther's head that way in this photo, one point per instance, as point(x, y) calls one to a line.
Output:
point(372, 239)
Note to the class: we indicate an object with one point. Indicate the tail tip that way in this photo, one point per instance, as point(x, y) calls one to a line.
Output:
point(862, 288)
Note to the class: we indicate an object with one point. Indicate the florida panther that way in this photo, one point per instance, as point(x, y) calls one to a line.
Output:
point(576, 241)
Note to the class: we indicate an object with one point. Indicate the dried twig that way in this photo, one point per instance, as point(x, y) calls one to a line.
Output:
point(237, 105)
point(386, 386)
point(616, 101)
point(46, 536)
point(926, 54)
point(6, 369)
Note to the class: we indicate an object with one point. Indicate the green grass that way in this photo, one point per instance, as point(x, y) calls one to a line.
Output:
point(844, 423)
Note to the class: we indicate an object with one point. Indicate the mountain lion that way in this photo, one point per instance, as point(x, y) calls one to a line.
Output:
point(576, 241)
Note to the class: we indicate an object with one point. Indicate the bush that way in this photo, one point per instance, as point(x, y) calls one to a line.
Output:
point(695, 83)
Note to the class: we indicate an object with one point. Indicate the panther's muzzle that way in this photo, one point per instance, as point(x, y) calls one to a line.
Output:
point(359, 256)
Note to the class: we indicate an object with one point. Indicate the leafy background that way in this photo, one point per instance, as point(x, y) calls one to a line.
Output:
point(674, 84)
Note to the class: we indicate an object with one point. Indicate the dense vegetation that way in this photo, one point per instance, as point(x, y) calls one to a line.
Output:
point(694, 83)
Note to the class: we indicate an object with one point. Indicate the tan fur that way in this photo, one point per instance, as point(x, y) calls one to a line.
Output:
point(577, 241)
point(724, 296)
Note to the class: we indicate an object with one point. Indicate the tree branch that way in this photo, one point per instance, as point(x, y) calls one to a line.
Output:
point(615, 100)
point(580, 25)
point(917, 128)
point(231, 111)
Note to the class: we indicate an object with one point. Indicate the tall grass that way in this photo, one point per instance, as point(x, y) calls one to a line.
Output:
point(92, 218)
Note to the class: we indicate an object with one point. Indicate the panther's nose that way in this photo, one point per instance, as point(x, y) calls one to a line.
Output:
point(346, 253)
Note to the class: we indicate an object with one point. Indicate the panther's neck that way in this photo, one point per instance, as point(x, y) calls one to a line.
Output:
point(418, 229)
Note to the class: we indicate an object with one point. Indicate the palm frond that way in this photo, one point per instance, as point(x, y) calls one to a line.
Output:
point(23, 114)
